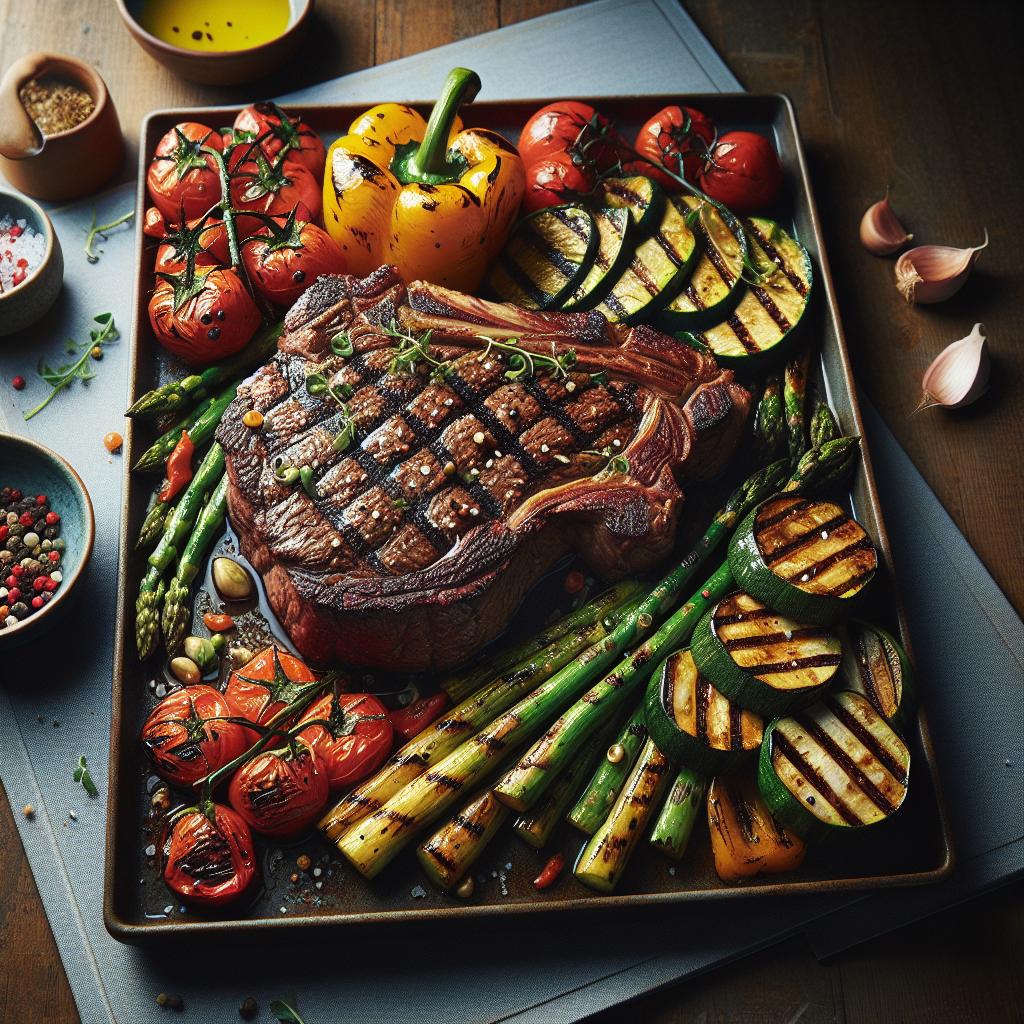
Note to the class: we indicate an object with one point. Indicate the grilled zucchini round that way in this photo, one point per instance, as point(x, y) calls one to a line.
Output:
point(807, 559)
point(838, 765)
point(876, 666)
point(611, 256)
point(761, 660)
point(694, 724)
point(548, 255)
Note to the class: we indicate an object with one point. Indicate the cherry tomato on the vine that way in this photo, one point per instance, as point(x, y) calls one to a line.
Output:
point(281, 132)
point(678, 138)
point(284, 264)
point(187, 738)
point(204, 320)
point(208, 860)
point(357, 740)
point(264, 686)
point(273, 189)
point(181, 178)
point(568, 125)
point(281, 792)
point(743, 172)
point(555, 180)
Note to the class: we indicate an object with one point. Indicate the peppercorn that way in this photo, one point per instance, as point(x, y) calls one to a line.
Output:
point(96, 352)
point(18, 383)
point(303, 862)
point(249, 1009)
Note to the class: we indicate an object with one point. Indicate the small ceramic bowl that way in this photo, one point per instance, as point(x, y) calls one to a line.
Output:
point(25, 303)
point(221, 67)
point(65, 165)
point(34, 469)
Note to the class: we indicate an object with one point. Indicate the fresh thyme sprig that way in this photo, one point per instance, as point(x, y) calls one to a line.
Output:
point(523, 365)
point(100, 231)
point(60, 377)
point(82, 775)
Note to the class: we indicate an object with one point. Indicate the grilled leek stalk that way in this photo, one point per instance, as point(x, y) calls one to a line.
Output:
point(605, 856)
point(674, 824)
point(453, 849)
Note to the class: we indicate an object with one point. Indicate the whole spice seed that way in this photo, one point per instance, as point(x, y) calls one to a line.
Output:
point(55, 106)
point(29, 574)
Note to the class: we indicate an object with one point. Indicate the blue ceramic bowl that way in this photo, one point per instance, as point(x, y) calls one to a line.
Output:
point(23, 305)
point(35, 469)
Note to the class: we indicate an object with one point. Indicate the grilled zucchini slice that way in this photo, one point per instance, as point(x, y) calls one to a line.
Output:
point(658, 269)
point(694, 724)
point(716, 284)
point(876, 666)
point(836, 766)
point(642, 197)
point(805, 558)
point(765, 320)
point(761, 660)
point(613, 249)
point(548, 255)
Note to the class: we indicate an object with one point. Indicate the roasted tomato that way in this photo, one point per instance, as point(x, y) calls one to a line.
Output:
point(282, 792)
point(743, 172)
point(265, 685)
point(207, 238)
point(555, 180)
point(274, 189)
point(208, 860)
point(281, 133)
point(206, 320)
point(187, 738)
point(357, 739)
point(182, 180)
point(678, 138)
point(153, 223)
point(284, 263)
point(411, 721)
point(568, 125)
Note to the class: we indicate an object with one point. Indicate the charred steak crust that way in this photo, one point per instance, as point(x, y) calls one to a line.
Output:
point(461, 487)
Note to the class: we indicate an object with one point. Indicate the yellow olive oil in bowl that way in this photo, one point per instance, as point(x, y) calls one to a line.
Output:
point(215, 25)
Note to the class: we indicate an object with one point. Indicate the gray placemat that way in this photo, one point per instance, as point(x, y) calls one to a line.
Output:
point(556, 972)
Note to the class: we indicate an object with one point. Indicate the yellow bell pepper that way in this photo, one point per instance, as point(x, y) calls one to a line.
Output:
point(429, 197)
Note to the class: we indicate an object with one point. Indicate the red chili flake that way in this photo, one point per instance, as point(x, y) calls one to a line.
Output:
point(51, 518)
point(550, 872)
point(15, 231)
point(574, 582)
point(18, 383)
point(705, 593)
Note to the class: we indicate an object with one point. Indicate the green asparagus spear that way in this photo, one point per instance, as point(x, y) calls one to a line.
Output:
point(176, 611)
point(151, 591)
point(460, 686)
point(535, 827)
point(443, 736)
point(200, 424)
point(674, 824)
point(453, 849)
point(603, 789)
point(178, 394)
point(794, 393)
point(769, 420)
point(823, 424)
point(605, 856)
point(153, 524)
point(825, 468)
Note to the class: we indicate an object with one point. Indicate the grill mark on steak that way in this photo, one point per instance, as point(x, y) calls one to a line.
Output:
point(419, 540)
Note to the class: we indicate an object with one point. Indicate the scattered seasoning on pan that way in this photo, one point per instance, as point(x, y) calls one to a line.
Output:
point(18, 383)
point(60, 377)
point(22, 250)
point(249, 1009)
point(113, 441)
point(31, 551)
point(574, 582)
point(28, 811)
point(55, 105)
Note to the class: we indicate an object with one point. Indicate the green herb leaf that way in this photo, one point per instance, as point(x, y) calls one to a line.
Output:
point(341, 345)
point(284, 1013)
point(81, 774)
point(100, 231)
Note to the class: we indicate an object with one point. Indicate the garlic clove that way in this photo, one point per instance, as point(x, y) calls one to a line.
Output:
point(959, 373)
point(881, 232)
point(931, 273)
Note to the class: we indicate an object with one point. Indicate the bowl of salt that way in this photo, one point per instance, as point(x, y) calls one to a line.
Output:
point(31, 263)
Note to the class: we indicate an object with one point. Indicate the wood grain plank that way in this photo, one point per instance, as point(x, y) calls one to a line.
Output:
point(405, 27)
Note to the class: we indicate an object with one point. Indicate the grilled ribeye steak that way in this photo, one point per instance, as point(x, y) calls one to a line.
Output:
point(466, 467)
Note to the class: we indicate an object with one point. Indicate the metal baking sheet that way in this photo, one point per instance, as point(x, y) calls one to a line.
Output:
point(916, 848)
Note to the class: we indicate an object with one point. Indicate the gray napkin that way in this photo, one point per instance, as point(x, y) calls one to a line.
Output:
point(546, 969)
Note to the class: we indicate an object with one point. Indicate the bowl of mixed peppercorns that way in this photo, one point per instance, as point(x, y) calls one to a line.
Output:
point(46, 537)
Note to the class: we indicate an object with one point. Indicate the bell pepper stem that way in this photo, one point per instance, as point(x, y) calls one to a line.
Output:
point(431, 158)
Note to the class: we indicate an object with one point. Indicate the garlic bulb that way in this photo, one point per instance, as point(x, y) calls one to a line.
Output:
point(881, 232)
point(931, 273)
point(958, 374)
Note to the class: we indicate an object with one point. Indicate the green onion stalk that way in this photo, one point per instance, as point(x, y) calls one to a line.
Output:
point(674, 824)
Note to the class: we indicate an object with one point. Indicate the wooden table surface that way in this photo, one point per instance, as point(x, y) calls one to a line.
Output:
point(915, 96)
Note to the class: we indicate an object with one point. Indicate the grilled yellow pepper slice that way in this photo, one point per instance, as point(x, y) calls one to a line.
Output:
point(433, 199)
